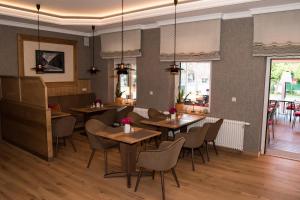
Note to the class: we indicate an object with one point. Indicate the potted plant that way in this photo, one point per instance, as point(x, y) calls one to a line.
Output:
point(126, 122)
point(180, 100)
point(119, 99)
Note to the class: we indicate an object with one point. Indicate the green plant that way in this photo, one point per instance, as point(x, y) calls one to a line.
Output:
point(118, 90)
point(180, 96)
point(186, 96)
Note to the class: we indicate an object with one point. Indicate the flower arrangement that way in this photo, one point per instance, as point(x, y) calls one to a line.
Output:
point(98, 101)
point(172, 110)
point(126, 120)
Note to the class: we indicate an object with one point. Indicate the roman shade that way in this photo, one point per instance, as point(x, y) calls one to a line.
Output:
point(111, 44)
point(277, 34)
point(196, 41)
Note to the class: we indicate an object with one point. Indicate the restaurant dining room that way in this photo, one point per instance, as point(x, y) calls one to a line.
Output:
point(149, 99)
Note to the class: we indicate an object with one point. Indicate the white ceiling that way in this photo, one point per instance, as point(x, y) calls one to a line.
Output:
point(76, 16)
point(88, 8)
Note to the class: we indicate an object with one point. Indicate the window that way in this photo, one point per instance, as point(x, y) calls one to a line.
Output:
point(194, 81)
point(127, 81)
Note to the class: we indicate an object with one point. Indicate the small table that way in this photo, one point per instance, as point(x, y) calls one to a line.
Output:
point(55, 115)
point(284, 102)
point(88, 110)
point(128, 147)
point(181, 122)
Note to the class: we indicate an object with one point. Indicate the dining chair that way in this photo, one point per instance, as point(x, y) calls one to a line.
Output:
point(63, 129)
point(108, 117)
point(271, 122)
point(156, 114)
point(212, 134)
point(291, 109)
point(98, 143)
point(123, 113)
point(194, 139)
point(136, 121)
point(162, 159)
point(296, 114)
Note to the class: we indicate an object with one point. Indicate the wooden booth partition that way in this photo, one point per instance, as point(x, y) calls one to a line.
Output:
point(25, 117)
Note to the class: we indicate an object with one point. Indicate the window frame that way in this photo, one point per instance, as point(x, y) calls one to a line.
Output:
point(133, 62)
point(178, 82)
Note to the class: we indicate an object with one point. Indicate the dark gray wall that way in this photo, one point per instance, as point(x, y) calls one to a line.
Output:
point(239, 74)
point(101, 82)
point(151, 74)
point(9, 50)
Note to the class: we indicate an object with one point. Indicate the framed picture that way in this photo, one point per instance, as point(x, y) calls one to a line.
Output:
point(52, 61)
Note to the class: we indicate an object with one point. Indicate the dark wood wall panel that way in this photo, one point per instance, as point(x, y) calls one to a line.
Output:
point(26, 127)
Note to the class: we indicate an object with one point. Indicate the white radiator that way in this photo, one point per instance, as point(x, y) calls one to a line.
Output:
point(231, 134)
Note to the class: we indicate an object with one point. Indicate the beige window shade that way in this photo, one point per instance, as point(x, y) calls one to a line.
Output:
point(277, 34)
point(111, 44)
point(196, 41)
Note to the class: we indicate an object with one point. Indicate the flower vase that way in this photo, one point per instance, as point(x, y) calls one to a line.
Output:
point(173, 116)
point(127, 128)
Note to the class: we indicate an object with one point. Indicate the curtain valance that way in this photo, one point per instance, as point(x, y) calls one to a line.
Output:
point(277, 34)
point(196, 41)
point(111, 44)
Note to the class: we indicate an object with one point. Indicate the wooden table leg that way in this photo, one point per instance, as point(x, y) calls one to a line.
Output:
point(128, 157)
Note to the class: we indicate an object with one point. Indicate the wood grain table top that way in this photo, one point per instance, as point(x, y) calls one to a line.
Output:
point(88, 110)
point(117, 134)
point(180, 121)
point(55, 115)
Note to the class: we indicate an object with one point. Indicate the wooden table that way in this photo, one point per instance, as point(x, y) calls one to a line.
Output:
point(181, 122)
point(88, 110)
point(128, 147)
point(55, 115)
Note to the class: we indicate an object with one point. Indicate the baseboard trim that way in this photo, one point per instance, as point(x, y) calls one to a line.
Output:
point(246, 153)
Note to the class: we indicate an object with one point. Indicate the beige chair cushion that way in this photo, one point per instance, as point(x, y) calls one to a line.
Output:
point(162, 159)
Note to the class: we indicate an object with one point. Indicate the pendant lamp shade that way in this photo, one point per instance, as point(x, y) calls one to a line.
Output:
point(123, 68)
point(174, 68)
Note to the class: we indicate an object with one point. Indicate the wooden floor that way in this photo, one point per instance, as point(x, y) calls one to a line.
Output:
point(287, 139)
point(228, 176)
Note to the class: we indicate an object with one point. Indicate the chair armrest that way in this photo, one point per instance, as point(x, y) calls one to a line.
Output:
point(164, 145)
point(152, 159)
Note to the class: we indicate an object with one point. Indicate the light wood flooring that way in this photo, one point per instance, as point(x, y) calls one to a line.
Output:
point(231, 176)
point(287, 139)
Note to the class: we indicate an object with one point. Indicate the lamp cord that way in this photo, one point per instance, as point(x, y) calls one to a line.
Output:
point(38, 24)
point(122, 38)
point(93, 27)
point(175, 31)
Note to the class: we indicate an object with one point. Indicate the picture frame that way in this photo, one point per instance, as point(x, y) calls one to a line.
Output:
point(52, 61)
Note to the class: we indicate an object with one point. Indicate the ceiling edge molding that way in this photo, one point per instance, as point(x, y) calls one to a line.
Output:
point(225, 16)
point(191, 19)
point(271, 9)
point(236, 15)
point(154, 12)
point(44, 28)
